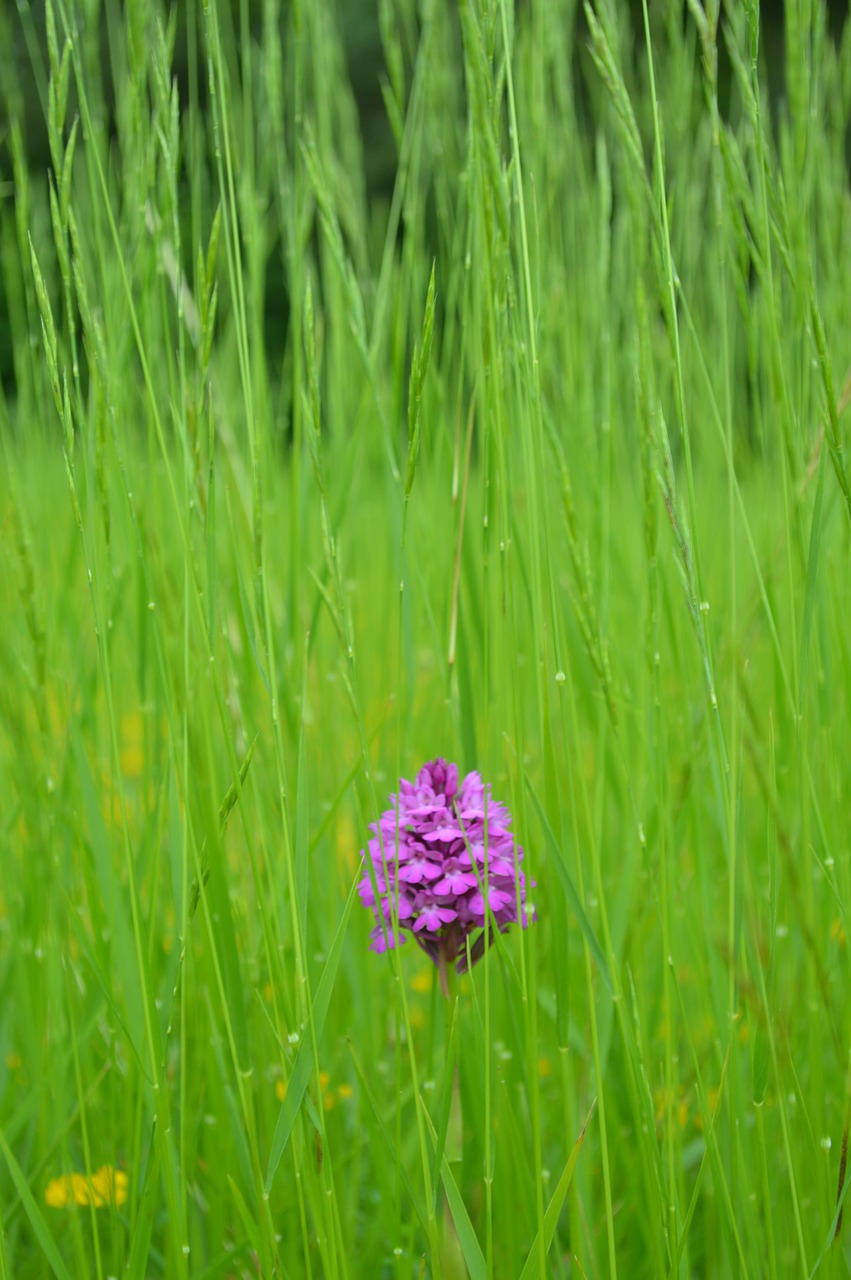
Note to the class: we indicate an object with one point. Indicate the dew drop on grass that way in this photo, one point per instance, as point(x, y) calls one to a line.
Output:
point(559, 677)
point(825, 1143)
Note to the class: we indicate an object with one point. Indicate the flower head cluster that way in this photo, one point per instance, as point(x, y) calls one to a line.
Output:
point(434, 853)
point(106, 1186)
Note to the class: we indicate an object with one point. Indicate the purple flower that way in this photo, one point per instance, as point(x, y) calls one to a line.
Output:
point(432, 857)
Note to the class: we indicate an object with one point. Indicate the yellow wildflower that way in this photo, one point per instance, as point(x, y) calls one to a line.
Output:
point(677, 1103)
point(56, 1193)
point(422, 981)
point(346, 844)
point(132, 753)
point(106, 1186)
point(327, 1095)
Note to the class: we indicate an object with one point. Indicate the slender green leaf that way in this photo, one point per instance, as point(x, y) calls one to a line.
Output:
point(569, 887)
point(532, 1268)
point(467, 1238)
point(42, 1233)
point(303, 1064)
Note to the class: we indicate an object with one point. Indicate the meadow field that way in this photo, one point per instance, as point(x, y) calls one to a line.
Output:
point(499, 417)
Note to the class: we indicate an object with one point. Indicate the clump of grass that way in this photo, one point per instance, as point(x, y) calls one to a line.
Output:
point(536, 460)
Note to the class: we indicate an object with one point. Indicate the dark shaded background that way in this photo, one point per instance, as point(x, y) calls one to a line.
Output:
point(357, 23)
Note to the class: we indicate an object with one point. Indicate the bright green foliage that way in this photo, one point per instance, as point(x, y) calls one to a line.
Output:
point(512, 429)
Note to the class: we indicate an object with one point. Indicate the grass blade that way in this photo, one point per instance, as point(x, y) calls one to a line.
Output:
point(569, 887)
point(531, 1270)
point(467, 1238)
point(300, 1076)
point(45, 1239)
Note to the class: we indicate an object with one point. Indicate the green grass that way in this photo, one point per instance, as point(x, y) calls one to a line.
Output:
point(282, 521)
